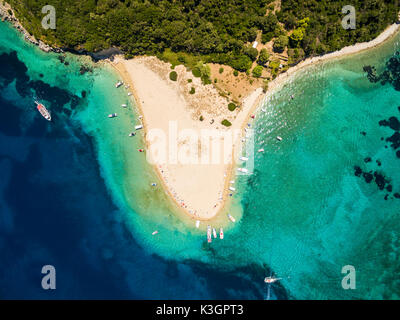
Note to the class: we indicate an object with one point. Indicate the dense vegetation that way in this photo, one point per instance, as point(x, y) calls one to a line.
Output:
point(194, 32)
point(323, 31)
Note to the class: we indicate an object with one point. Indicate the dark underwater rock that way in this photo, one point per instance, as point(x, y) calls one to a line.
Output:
point(397, 195)
point(395, 140)
point(368, 177)
point(357, 171)
point(380, 180)
point(367, 159)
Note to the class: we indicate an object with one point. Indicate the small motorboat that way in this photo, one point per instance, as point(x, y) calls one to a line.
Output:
point(132, 134)
point(124, 105)
point(244, 170)
point(214, 233)
point(244, 158)
point(270, 280)
point(141, 150)
point(221, 233)
point(155, 232)
point(279, 138)
point(112, 115)
point(129, 94)
point(197, 224)
point(209, 234)
point(260, 150)
point(231, 218)
point(154, 184)
point(232, 188)
point(138, 127)
point(118, 84)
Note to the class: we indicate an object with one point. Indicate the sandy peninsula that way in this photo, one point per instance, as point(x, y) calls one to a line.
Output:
point(198, 152)
point(175, 119)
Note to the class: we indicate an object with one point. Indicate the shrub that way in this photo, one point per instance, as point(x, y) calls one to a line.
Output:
point(263, 58)
point(221, 70)
point(192, 90)
point(201, 118)
point(173, 75)
point(190, 80)
point(232, 106)
point(251, 52)
point(257, 71)
point(226, 123)
point(280, 43)
point(235, 73)
point(196, 72)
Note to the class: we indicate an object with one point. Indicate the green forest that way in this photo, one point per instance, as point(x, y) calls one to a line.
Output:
point(220, 31)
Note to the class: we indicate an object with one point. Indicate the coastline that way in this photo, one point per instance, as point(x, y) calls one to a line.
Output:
point(5, 16)
point(249, 108)
point(250, 105)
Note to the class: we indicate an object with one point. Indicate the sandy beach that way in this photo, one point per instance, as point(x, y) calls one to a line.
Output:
point(198, 175)
point(174, 119)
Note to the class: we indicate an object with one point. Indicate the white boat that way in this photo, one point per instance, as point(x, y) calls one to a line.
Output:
point(279, 138)
point(124, 105)
point(232, 181)
point(129, 94)
point(132, 134)
point(43, 111)
point(197, 224)
point(244, 170)
point(214, 233)
point(154, 184)
point(112, 115)
point(118, 84)
point(244, 158)
point(221, 233)
point(260, 150)
point(208, 234)
point(232, 188)
point(138, 127)
point(231, 218)
point(271, 279)
point(155, 232)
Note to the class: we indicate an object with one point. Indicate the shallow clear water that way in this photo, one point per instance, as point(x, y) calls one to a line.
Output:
point(76, 193)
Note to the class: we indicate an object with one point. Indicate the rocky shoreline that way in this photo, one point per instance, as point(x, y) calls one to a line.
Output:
point(7, 14)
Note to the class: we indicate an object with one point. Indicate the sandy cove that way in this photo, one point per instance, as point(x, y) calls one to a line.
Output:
point(201, 190)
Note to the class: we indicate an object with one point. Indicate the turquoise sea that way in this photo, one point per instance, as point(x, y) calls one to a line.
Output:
point(75, 192)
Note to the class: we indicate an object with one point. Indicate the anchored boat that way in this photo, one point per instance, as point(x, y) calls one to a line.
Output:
point(208, 234)
point(271, 279)
point(221, 233)
point(231, 218)
point(214, 233)
point(43, 111)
